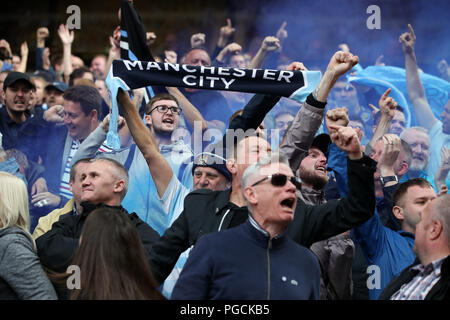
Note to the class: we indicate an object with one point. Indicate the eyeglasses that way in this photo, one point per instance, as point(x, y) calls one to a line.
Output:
point(164, 109)
point(279, 180)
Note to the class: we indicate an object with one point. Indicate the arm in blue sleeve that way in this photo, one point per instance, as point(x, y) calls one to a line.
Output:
point(337, 162)
point(371, 235)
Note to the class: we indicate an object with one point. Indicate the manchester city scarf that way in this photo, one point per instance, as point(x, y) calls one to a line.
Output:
point(129, 75)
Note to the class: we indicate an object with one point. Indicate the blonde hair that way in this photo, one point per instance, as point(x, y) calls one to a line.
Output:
point(13, 203)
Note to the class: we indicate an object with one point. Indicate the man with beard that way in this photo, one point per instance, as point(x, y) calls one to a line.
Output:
point(419, 140)
point(336, 253)
point(439, 130)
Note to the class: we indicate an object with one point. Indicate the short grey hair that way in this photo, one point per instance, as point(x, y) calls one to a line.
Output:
point(420, 129)
point(441, 211)
point(120, 173)
point(274, 157)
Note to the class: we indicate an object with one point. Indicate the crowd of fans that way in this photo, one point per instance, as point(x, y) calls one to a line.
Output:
point(340, 197)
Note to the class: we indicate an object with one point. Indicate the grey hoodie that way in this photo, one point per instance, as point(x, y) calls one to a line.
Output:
point(21, 273)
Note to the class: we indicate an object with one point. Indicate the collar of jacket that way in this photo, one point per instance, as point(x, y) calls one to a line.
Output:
point(223, 198)
point(89, 207)
point(311, 196)
point(262, 235)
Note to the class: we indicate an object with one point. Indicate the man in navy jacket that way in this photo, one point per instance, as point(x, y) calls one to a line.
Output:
point(256, 260)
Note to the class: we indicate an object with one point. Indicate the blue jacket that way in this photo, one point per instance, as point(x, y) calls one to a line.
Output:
point(390, 250)
point(243, 263)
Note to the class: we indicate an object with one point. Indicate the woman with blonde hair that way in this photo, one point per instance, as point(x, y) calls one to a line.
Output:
point(21, 274)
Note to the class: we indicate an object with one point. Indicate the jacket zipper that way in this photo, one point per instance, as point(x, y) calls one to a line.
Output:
point(269, 246)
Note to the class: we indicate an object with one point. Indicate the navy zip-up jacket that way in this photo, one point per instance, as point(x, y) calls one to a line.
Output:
point(243, 263)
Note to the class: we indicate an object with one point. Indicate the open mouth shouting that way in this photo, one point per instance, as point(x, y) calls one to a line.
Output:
point(289, 203)
point(321, 168)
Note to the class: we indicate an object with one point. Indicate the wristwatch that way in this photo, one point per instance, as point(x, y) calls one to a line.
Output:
point(387, 179)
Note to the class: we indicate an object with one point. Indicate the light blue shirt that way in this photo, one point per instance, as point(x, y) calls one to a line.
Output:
point(438, 140)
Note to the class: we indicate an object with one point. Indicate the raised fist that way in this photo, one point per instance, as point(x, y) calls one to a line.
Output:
point(341, 62)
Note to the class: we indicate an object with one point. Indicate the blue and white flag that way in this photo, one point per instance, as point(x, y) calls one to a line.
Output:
point(383, 77)
point(129, 75)
point(133, 46)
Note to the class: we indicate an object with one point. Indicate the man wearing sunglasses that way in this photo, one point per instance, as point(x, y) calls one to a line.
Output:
point(255, 260)
point(206, 211)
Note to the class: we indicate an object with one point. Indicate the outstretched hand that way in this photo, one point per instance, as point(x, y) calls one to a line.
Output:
point(65, 34)
point(408, 39)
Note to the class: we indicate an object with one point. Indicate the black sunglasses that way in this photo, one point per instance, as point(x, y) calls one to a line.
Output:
point(279, 180)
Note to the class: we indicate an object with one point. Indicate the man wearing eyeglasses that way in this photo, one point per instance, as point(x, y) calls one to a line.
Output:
point(146, 188)
point(257, 259)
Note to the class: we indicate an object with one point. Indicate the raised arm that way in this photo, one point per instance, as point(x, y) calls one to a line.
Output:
point(309, 117)
point(66, 37)
point(232, 48)
point(387, 108)
point(225, 33)
point(23, 57)
point(157, 164)
point(268, 45)
point(416, 92)
point(114, 51)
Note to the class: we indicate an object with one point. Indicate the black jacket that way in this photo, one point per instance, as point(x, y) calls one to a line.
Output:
point(440, 290)
point(57, 247)
point(208, 211)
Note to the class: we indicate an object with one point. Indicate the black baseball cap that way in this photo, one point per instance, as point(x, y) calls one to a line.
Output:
point(16, 76)
point(322, 142)
point(58, 85)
